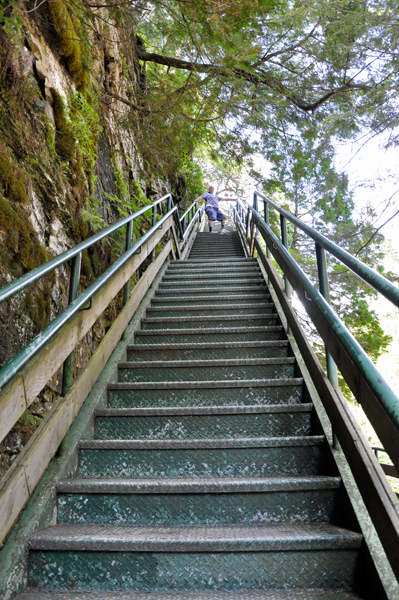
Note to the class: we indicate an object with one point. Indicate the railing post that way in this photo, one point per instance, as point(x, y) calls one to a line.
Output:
point(67, 374)
point(168, 208)
point(332, 372)
point(154, 222)
point(247, 224)
point(253, 227)
point(128, 245)
point(267, 221)
point(284, 240)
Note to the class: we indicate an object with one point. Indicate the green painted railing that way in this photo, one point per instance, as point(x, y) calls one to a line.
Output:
point(78, 301)
point(385, 423)
point(343, 351)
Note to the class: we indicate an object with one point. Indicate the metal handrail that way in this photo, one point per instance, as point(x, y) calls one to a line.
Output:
point(378, 400)
point(76, 300)
point(369, 373)
point(20, 359)
point(199, 213)
point(27, 279)
point(187, 211)
point(374, 279)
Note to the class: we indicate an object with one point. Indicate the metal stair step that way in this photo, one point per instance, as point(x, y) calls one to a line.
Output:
point(196, 502)
point(199, 370)
point(200, 393)
point(207, 351)
point(315, 594)
point(203, 422)
point(222, 334)
point(210, 321)
point(204, 278)
point(228, 282)
point(217, 261)
point(217, 251)
point(268, 538)
point(222, 242)
point(221, 253)
point(187, 558)
point(203, 458)
point(210, 310)
point(226, 300)
point(192, 266)
point(205, 270)
point(209, 290)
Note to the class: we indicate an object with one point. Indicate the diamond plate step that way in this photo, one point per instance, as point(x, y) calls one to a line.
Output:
point(269, 538)
point(199, 370)
point(196, 502)
point(193, 336)
point(192, 558)
point(196, 279)
point(216, 393)
point(315, 594)
point(204, 422)
point(212, 260)
point(185, 310)
point(207, 290)
point(263, 457)
point(226, 300)
point(210, 321)
point(217, 248)
point(221, 253)
point(209, 283)
point(205, 270)
point(207, 351)
point(212, 263)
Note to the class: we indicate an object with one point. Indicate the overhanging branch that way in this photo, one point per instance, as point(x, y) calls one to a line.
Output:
point(263, 79)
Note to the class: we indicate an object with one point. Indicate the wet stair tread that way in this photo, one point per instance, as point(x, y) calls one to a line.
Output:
point(198, 444)
point(211, 307)
point(203, 410)
point(213, 318)
point(197, 485)
point(265, 538)
point(314, 594)
point(205, 345)
point(211, 290)
point(231, 281)
point(232, 297)
point(215, 330)
point(123, 385)
point(226, 362)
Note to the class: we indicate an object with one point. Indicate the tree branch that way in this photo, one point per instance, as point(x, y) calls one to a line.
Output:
point(253, 78)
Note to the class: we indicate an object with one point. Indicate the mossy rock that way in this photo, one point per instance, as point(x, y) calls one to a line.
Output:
point(67, 27)
point(21, 249)
point(12, 178)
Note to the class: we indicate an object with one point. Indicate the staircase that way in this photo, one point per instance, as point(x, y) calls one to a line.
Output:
point(209, 476)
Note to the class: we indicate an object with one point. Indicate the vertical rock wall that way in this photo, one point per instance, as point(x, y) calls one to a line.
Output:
point(69, 165)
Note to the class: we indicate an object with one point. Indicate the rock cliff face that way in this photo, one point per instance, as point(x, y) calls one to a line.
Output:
point(69, 164)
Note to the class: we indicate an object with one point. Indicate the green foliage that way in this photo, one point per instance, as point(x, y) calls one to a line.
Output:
point(193, 178)
point(27, 421)
point(10, 19)
point(78, 126)
point(304, 181)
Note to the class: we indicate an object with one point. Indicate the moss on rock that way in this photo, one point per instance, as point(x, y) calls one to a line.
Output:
point(67, 28)
point(12, 178)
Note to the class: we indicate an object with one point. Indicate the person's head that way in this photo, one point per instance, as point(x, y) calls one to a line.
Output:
point(211, 189)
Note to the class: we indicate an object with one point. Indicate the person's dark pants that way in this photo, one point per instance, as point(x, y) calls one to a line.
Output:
point(214, 214)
